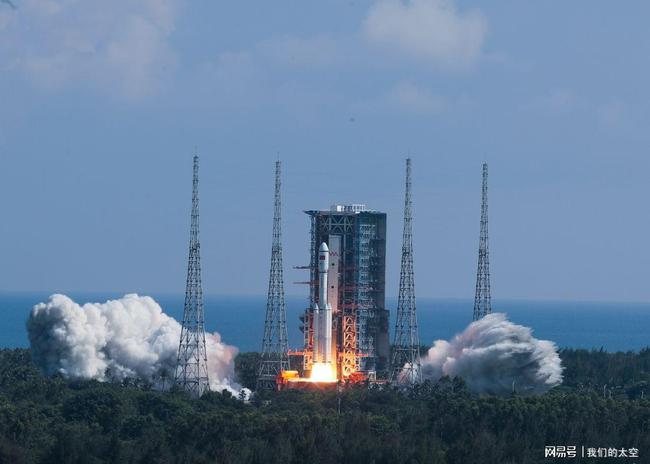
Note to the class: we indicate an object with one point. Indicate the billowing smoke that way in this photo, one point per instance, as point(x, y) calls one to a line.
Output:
point(126, 338)
point(493, 355)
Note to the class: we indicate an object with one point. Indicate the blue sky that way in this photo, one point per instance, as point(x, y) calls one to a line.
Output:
point(102, 104)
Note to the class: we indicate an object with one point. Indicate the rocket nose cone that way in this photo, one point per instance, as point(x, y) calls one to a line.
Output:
point(323, 247)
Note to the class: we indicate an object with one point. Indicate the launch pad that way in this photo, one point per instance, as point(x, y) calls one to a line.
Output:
point(345, 327)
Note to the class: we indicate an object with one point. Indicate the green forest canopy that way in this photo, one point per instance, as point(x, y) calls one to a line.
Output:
point(53, 420)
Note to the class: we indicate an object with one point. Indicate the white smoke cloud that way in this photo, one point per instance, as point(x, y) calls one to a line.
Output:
point(491, 354)
point(129, 337)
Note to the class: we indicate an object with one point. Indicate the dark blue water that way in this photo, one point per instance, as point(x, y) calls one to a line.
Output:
point(240, 319)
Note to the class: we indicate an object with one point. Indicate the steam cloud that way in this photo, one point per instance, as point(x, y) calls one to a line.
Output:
point(491, 354)
point(126, 338)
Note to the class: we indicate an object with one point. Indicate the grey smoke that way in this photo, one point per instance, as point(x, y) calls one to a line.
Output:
point(130, 337)
point(493, 353)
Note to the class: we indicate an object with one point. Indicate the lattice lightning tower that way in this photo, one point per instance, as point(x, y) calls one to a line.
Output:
point(405, 365)
point(275, 345)
point(192, 363)
point(482, 298)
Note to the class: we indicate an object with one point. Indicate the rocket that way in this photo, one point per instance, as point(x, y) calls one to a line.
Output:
point(323, 314)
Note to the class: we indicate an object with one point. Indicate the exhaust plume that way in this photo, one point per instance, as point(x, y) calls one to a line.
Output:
point(496, 356)
point(130, 337)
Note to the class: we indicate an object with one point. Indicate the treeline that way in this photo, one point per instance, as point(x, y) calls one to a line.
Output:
point(621, 374)
point(51, 420)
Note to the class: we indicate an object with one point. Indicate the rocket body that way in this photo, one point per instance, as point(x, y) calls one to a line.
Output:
point(323, 311)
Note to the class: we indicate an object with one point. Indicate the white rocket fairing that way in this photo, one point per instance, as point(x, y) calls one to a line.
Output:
point(323, 314)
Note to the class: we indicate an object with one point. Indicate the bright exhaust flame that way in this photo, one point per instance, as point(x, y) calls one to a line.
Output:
point(323, 372)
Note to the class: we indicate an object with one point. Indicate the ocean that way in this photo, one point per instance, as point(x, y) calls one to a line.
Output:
point(240, 319)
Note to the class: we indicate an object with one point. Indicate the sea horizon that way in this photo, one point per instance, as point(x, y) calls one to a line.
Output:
point(612, 326)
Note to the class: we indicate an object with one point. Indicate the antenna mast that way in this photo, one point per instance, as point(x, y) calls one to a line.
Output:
point(482, 298)
point(275, 345)
point(405, 365)
point(192, 362)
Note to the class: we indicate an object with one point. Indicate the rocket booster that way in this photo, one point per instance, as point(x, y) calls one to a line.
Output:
point(323, 314)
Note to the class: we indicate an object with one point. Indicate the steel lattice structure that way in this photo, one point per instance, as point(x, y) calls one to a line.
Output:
point(405, 365)
point(275, 344)
point(482, 298)
point(192, 364)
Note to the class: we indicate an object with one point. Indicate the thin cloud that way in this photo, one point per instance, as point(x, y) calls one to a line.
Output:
point(433, 32)
point(409, 97)
point(613, 113)
point(555, 101)
point(120, 46)
point(318, 51)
